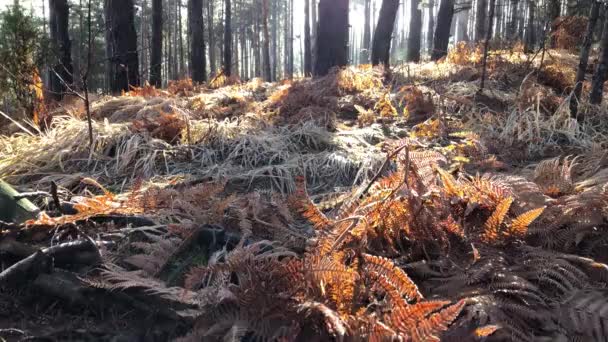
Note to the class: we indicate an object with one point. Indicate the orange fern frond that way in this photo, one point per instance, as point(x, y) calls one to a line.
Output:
point(405, 319)
point(301, 202)
point(520, 224)
point(430, 329)
point(485, 331)
point(492, 225)
point(383, 267)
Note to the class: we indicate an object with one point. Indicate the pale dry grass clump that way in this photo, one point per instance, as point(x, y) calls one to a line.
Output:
point(248, 153)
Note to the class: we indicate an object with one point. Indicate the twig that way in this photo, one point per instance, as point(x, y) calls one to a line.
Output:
point(17, 124)
point(56, 200)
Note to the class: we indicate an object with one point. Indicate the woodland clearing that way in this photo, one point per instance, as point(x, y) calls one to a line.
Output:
point(357, 206)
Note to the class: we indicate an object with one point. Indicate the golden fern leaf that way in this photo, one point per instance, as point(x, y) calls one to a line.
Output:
point(449, 183)
point(429, 329)
point(406, 318)
point(519, 226)
point(383, 267)
point(485, 331)
point(301, 202)
point(492, 225)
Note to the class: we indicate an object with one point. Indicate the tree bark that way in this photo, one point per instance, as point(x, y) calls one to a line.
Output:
point(227, 39)
point(332, 36)
point(122, 45)
point(584, 58)
point(307, 43)
point(367, 33)
point(599, 78)
point(487, 44)
point(62, 74)
point(157, 43)
point(442, 33)
point(431, 28)
point(530, 30)
point(381, 46)
point(413, 46)
point(211, 33)
point(512, 26)
point(267, 70)
point(480, 20)
point(198, 63)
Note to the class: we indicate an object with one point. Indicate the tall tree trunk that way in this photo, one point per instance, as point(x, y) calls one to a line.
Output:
point(157, 43)
point(413, 46)
point(487, 44)
point(599, 77)
point(480, 20)
point(227, 39)
point(442, 33)
point(554, 10)
point(431, 29)
point(367, 33)
point(584, 58)
point(267, 71)
point(211, 32)
point(381, 46)
point(314, 27)
point(332, 36)
point(62, 74)
point(122, 45)
point(290, 45)
point(530, 30)
point(307, 43)
point(512, 28)
point(197, 41)
point(182, 62)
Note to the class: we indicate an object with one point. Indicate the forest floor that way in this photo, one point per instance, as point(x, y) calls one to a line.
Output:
point(361, 205)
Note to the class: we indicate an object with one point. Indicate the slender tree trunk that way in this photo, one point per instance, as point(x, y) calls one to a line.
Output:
point(381, 46)
point(512, 27)
point(332, 36)
point(413, 47)
point(157, 43)
point(227, 39)
point(584, 58)
point(367, 34)
point(530, 30)
point(487, 44)
point(211, 32)
point(314, 27)
point(62, 74)
point(267, 69)
point(599, 78)
point(290, 45)
point(307, 43)
point(480, 20)
point(182, 62)
point(431, 29)
point(122, 45)
point(442, 33)
point(197, 41)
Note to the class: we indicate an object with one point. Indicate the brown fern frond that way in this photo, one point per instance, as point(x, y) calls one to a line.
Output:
point(486, 330)
point(554, 176)
point(585, 315)
point(519, 226)
point(383, 267)
point(300, 201)
point(491, 231)
point(430, 329)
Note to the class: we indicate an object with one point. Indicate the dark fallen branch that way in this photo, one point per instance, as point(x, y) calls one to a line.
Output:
point(30, 195)
point(82, 252)
point(121, 220)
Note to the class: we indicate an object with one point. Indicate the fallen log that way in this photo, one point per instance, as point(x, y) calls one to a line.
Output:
point(81, 252)
point(13, 208)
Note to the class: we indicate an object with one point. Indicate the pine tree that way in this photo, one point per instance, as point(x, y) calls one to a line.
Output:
point(381, 45)
point(442, 32)
point(121, 45)
point(62, 73)
point(413, 52)
point(198, 64)
point(156, 53)
point(332, 36)
point(227, 65)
